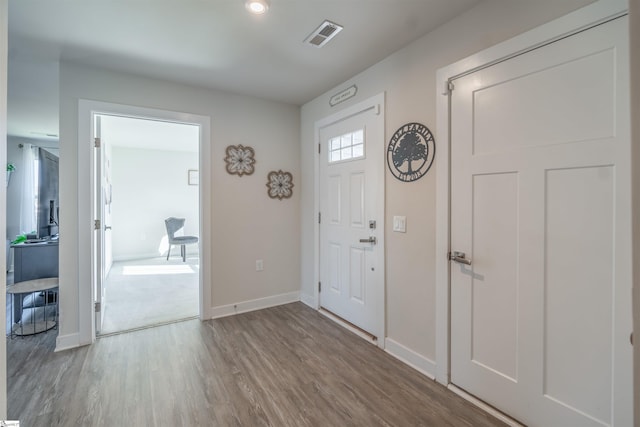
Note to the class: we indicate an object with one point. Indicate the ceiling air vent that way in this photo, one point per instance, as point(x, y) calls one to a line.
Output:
point(321, 35)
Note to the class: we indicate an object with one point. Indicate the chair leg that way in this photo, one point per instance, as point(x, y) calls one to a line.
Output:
point(184, 253)
point(168, 252)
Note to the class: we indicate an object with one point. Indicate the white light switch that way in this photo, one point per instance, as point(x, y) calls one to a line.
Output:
point(400, 224)
point(259, 265)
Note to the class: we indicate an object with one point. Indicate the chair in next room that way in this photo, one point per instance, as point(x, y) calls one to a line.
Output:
point(173, 225)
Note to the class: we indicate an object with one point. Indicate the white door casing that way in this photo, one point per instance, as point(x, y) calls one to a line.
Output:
point(86, 212)
point(540, 190)
point(102, 251)
point(351, 204)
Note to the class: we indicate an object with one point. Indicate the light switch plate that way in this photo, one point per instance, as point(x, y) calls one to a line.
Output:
point(259, 265)
point(400, 224)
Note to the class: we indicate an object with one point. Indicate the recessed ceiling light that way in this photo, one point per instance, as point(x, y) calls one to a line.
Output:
point(257, 7)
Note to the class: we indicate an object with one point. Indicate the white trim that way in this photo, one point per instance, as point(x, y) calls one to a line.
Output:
point(425, 366)
point(4, 60)
point(571, 23)
point(375, 102)
point(134, 257)
point(253, 305)
point(86, 109)
point(141, 257)
point(66, 342)
point(487, 408)
point(309, 300)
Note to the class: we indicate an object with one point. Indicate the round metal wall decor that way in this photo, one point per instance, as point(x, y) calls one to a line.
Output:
point(411, 151)
point(279, 184)
point(240, 160)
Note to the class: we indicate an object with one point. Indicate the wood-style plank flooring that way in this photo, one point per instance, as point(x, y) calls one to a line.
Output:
point(283, 366)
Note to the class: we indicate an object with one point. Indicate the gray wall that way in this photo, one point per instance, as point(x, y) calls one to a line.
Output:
point(246, 224)
point(408, 77)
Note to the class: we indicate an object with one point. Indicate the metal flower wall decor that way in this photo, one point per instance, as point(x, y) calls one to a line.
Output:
point(240, 160)
point(280, 185)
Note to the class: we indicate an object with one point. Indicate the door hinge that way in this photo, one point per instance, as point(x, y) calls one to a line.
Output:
point(96, 224)
point(97, 306)
point(319, 148)
point(448, 88)
point(96, 142)
point(319, 218)
point(319, 286)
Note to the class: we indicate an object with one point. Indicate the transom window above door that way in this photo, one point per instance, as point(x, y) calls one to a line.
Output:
point(349, 146)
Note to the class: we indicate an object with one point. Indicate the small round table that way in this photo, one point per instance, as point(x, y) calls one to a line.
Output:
point(45, 285)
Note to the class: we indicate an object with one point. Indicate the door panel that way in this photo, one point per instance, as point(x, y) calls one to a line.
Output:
point(573, 371)
point(540, 183)
point(356, 199)
point(357, 275)
point(351, 195)
point(334, 270)
point(550, 95)
point(494, 341)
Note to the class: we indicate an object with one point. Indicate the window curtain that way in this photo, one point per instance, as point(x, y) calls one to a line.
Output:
point(28, 219)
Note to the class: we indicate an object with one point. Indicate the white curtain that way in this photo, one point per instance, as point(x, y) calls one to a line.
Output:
point(28, 219)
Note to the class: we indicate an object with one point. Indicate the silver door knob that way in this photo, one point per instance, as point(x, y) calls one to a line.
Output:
point(369, 240)
point(459, 257)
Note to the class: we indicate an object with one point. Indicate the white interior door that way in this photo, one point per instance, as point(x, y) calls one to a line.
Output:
point(540, 181)
point(107, 252)
point(352, 224)
point(98, 270)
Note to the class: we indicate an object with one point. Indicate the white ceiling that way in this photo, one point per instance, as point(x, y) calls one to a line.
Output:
point(209, 43)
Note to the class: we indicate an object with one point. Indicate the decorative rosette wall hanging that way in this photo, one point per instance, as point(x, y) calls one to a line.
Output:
point(240, 160)
point(280, 185)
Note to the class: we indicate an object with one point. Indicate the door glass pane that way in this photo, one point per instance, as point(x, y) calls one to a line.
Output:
point(358, 150)
point(347, 147)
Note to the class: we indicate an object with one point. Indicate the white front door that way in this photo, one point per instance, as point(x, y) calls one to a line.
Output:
point(352, 223)
point(540, 182)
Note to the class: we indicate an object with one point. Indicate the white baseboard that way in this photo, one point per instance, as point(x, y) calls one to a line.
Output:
point(175, 253)
point(66, 342)
point(309, 300)
point(252, 305)
point(417, 361)
point(135, 257)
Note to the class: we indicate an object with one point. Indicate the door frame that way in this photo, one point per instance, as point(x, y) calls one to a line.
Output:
point(86, 110)
point(377, 103)
point(572, 23)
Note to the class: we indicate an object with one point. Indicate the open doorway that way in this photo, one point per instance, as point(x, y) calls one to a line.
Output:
point(146, 171)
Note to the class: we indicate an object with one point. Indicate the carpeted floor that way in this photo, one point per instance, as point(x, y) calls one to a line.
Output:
point(150, 291)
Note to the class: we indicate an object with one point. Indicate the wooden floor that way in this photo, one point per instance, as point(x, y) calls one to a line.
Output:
point(283, 366)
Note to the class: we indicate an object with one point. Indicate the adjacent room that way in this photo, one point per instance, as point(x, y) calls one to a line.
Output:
point(149, 174)
point(277, 212)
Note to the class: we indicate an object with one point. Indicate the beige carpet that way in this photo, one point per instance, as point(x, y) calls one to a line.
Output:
point(150, 291)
